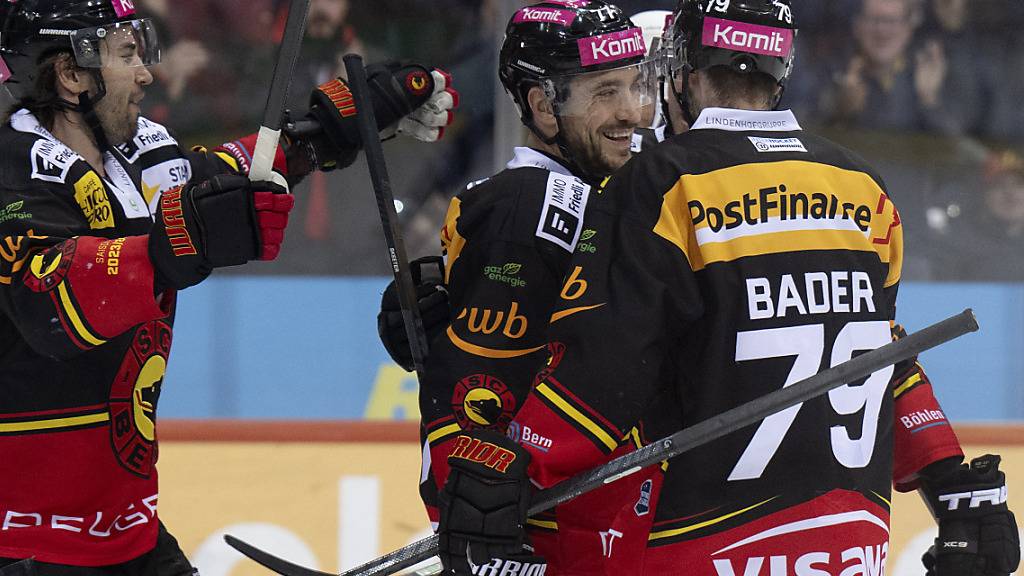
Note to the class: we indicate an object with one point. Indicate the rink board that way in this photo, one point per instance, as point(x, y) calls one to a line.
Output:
point(332, 495)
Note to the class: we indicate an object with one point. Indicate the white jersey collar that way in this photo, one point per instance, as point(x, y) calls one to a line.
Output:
point(25, 121)
point(746, 120)
point(529, 158)
point(117, 178)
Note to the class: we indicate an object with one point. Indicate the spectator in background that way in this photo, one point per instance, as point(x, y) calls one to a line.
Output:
point(180, 61)
point(235, 34)
point(329, 36)
point(985, 242)
point(1003, 120)
point(972, 87)
point(887, 82)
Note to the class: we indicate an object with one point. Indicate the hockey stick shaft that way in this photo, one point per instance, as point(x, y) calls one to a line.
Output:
point(707, 431)
point(686, 439)
point(386, 206)
point(273, 115)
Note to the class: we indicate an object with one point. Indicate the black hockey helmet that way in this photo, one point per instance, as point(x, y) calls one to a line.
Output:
point(35, 29)
point(746, 35)
point(559, 38)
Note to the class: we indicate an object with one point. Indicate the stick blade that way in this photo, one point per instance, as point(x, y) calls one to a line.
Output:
point(269, 561)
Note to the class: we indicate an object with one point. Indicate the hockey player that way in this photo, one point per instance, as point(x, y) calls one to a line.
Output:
point(103, 217)
point(579, 76)
point(731, 261)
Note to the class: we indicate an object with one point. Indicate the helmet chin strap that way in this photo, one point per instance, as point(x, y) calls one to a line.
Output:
point(566, 154)
point(683, 98)
point(86, 106)
point(88, 110)
point(670, 130)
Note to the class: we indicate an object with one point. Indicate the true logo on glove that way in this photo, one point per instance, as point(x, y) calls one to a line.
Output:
point(174, 223)
point(485, 453)
point(994, 496)
point(340, 96)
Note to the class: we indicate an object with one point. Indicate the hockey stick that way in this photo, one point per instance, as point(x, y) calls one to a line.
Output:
point(273, 115)
point(697, 435)
point(386, 206)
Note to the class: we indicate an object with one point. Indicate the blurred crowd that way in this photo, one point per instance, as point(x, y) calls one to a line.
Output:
point(930, 91)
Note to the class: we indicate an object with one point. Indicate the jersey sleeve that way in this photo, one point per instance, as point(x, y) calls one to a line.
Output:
point(629, 294)
point(922, 433)
point(502, 280)
point(236, 156)
point(67, 294)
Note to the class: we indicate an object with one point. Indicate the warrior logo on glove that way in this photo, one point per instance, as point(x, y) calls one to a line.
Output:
point(481, 452)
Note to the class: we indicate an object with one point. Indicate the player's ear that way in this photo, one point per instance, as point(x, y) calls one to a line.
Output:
point(543, 111)
point(69, 79)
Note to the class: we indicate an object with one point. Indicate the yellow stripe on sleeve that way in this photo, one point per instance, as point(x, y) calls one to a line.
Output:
point(699, 525)
point(550, 525)
point(75, 319)
point(572, 412)
point(228, 159)
point(50, 424)
point(909, 382)
point(442, 432)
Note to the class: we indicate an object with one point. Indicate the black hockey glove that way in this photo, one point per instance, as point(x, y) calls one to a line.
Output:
point(432, 301)
point(483, 508)
point(224, 221)
point(977, 532)
point(410, 99)
point(25, 567)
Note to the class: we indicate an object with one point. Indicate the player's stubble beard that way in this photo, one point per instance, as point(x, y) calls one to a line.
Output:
point(119, 117)
point(595, 157)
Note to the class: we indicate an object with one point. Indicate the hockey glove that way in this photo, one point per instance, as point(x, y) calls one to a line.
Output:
point(406, 99)
point(483, 508)
point(977, 532)
point(224, 221)
point(432, 301)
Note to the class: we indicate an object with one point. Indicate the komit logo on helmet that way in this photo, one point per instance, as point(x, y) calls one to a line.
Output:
point(611, 47)
point(545, 15)
point(751, 38)
point(123, 7)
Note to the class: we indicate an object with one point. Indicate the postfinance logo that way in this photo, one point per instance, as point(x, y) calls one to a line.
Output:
point(780, 204)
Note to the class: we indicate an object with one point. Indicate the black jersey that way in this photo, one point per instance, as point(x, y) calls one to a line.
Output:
point(507, 241)
point(730, 261)
point(83, 342)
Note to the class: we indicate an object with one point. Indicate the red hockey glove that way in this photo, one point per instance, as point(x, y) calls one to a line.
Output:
point(483, 508)
point(977, 532)
point(224, 221)
point(408, 99)
point(432, 301)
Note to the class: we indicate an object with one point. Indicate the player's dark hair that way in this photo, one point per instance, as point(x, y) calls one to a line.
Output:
point(734, 89)
point(43, 101)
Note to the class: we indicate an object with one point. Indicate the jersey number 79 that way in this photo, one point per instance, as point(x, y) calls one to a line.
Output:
point(807, 343)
